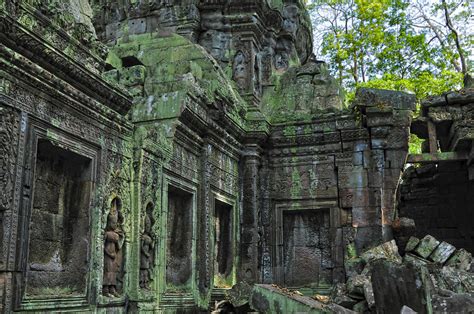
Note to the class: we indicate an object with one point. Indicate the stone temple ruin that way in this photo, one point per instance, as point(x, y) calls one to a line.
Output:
point(154, 154)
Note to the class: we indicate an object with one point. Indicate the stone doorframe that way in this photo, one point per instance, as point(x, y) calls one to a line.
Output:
point(38, 130)
point(169, 179)
point(231, 201)
point(337, 253)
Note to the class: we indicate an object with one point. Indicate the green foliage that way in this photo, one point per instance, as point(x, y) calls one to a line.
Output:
point(394, 44)
point(414, 144)
point(423, 84)
point(365, 40)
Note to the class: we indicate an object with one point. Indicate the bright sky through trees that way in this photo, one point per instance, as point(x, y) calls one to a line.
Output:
point(422, 46)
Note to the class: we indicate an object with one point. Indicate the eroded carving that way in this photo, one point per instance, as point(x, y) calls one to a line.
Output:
point(8, 141)
point(114, 238)
point(147, 245)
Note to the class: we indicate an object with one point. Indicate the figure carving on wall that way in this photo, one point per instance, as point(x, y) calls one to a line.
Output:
point(147, 246)
point(239, 69)
point(266, 61)
point(113, 244)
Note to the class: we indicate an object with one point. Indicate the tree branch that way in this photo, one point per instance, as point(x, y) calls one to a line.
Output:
point(449, 24)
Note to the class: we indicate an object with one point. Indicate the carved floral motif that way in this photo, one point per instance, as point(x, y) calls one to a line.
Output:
point(8, 152)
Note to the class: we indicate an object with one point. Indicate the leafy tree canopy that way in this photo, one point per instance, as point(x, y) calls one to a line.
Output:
point(420, 46)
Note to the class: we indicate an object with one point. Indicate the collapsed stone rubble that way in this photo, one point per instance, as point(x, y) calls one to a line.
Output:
point(431, 276)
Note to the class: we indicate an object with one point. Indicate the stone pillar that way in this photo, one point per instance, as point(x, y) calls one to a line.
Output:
point(204, 216)
point(249, 239)
point(265, 223)
point(387, 117)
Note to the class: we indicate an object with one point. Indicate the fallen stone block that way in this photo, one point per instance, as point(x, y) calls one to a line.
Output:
point(355, 286)
point(426, 246)
point(415, 260)
point(453, 303)
point(369, 294)
point(411, 244)
point(461, 259)
point(397, 285)
point(452, 279)
point(387, 251)
point(442, 253)
point(239, 294)
point(339, 296)
point(272, 299)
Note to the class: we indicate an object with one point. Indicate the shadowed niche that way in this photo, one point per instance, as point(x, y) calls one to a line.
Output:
point(59, 225)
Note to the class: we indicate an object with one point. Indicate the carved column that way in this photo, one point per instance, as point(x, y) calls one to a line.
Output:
point(204, 212)
point(249, 238)
point(265, 223)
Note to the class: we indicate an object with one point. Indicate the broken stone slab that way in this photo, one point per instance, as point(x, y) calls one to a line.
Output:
point(442, 253)
point(415, 260)
point(272, 299)
point(386, 251)
point(398, 285)
point(411, 244)
point(426, 246)
point(339, 296)
point(461, 259)
point(369, 294)
point(453, 303)
point(355, 286)
point(452, 279)
point(239, 294)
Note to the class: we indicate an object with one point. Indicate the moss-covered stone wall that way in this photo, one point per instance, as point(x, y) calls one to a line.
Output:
point(194, 107)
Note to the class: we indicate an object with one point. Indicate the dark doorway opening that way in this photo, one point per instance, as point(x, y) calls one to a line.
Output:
point(179, 238)
point(223, 242)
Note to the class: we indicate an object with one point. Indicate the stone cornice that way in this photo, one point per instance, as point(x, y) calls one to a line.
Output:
point(30, 45)
point(31, 74)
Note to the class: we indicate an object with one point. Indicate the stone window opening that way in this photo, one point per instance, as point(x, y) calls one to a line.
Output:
point(59, 228)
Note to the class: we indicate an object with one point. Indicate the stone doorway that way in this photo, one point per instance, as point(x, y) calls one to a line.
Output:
point(179, 239)
point(306, 248)
point(59, 228)
point(223, 256)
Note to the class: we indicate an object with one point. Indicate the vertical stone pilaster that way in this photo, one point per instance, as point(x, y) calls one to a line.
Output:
point(204, 262)
point(249, 239)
